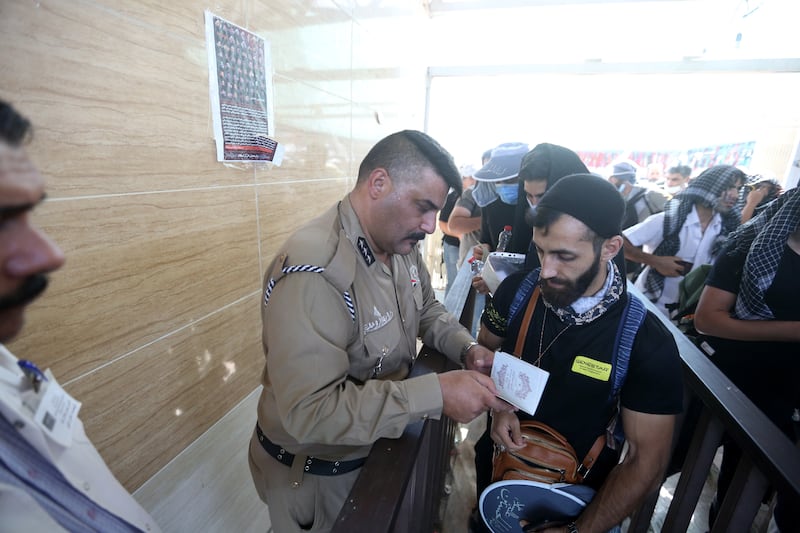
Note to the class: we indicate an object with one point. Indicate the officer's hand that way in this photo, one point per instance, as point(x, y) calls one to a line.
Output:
point(480, 359)
point(466, 394)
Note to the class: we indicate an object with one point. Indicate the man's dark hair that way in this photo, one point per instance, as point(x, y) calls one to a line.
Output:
point(406, 153)
point(550, 162)
point(683, 170)
point(534, 169)
point(14, 128)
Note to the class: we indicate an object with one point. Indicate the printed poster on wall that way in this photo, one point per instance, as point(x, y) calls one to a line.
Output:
point(240, 85)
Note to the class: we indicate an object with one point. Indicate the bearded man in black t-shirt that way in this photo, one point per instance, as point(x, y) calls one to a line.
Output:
point(572, 336)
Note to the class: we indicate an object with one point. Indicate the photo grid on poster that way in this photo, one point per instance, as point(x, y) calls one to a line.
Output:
point(241, 93)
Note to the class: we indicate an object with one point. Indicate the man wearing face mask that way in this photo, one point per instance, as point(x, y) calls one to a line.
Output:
point(500, 175)
point(640, 202)
point(677, 179)
point(502, 171)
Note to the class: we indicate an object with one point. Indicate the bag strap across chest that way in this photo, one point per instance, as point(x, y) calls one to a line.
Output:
point(632, 318)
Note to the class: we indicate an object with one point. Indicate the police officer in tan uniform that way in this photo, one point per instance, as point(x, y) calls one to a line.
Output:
point(344, 301)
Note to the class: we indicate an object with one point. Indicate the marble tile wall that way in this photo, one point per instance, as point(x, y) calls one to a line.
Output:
point(153, 321)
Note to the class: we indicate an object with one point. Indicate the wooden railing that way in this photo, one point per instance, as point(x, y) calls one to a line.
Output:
point(401, 484)
point(769, 458)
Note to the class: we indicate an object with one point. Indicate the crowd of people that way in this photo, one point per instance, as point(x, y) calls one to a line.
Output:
point(669, 228)
point(348, 295)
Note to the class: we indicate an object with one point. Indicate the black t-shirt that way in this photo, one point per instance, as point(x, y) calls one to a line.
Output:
point(444, 215)
point(494, 217)
point(576, 398)
point(765, 371)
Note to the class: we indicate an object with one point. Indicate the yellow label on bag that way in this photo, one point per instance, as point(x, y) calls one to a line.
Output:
point(591, 368)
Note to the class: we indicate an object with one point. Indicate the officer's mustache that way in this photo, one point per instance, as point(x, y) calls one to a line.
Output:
point(416, 236)
point(30, 289)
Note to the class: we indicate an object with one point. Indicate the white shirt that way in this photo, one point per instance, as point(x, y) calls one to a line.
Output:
point(79, 463)
point(695, 247)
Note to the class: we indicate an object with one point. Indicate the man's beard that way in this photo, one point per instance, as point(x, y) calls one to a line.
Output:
point(32, 287)
point(572, 290)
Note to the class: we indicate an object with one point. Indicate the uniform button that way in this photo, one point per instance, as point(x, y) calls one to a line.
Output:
point(280, 457)
point(306, 469)
point(335, 470)
point(295, 484)
point(86, 486)
point(336, 463)
point(19, 424)
point(424, 417)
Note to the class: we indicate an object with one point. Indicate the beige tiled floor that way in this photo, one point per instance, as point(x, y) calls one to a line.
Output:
point(208, 486)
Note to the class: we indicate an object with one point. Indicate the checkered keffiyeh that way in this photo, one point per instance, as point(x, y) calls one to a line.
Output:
point(705, 189)
point(765, 239)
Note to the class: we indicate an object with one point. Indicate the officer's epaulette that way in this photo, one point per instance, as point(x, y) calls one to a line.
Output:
point(341, 270)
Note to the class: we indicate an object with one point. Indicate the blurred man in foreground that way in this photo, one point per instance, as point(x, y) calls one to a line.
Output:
point(51, 477)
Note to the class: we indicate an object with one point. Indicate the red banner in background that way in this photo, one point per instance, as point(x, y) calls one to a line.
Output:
point(699, 159)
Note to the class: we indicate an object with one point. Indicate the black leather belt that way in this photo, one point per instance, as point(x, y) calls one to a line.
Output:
point(318, 467)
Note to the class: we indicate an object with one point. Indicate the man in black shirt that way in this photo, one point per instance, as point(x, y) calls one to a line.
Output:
point(572, 335)
point(749, 314)
point(451, 239)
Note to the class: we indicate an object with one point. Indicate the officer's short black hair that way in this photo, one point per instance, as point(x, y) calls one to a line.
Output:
point(407, 152)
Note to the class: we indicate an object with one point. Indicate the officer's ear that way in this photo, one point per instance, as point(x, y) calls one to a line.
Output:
point(379, 183)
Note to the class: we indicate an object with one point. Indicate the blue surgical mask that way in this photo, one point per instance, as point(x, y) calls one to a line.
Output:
point(508, 192)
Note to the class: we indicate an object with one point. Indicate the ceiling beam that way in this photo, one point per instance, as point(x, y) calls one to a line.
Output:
point(440, 6)
point(599, 67)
